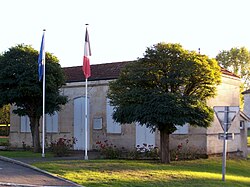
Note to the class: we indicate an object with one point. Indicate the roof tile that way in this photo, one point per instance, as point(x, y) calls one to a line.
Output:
point(98, 72)
point(106, 71)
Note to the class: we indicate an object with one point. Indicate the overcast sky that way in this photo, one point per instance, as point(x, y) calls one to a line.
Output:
point(120, 30)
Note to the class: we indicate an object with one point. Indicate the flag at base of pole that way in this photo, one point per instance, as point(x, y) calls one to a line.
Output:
point(87, 52)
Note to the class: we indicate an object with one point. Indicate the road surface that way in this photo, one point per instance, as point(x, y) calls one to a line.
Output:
point(12, 174)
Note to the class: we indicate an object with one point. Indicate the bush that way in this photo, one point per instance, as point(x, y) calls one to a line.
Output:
point(4, 130)
point(62, 146)
point(186, 152)
point(145, 152)
point(108, 150)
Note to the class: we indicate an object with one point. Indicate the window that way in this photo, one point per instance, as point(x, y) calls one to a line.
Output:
point(144, 136)
point(25, 124)
point(112, 126)
point(52, 122)
point(181, 129)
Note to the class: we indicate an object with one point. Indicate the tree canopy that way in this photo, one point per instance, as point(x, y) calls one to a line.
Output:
point(169, 86)
point(236, 60)
point(5, 118)
point(19, 85)
point(5, 115)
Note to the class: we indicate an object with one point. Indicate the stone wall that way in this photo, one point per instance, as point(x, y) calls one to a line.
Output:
point(206, 140)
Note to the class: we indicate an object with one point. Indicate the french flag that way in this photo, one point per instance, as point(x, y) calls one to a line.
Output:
point(87, 53)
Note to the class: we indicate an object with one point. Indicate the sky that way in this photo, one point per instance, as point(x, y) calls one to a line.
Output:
point(121, 30)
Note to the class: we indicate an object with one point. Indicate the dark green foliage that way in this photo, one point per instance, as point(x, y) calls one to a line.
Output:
point(19, 85)
point(168, 87)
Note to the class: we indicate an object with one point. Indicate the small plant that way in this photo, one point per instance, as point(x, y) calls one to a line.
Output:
point(186, 152)
point(145, 152)
point(108, 150)
point(62, 146)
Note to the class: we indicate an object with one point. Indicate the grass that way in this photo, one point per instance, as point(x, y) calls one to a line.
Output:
point(118, 173)
point(23, 154)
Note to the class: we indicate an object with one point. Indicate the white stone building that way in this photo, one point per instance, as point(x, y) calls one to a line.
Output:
point(69, 122)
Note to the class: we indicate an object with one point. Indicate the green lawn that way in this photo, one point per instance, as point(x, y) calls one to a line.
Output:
point(118, 173)
point(23, 154)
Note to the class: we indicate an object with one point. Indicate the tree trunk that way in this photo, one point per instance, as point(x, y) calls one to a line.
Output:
point(165, 152)
point(34, 126)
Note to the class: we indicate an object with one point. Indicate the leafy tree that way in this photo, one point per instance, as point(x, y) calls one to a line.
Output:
point(5, 117)
point(169, 86)
point(236, 60)
point(19, 85)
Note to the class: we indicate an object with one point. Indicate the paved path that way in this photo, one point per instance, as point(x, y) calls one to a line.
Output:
point(22, 175)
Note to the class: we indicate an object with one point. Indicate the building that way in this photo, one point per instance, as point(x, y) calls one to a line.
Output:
point(69, 122)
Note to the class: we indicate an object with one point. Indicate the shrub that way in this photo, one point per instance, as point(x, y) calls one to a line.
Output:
point(4, 130)
point(186, 152)
point(108, 150)
point(145, 152)
point(62, 146)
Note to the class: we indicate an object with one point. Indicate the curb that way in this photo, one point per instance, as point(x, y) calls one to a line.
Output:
point(16, 185)
point(37, 169)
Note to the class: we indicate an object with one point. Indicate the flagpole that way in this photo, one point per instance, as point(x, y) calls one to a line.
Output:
point(87, 74)
point(86, 110)
point(86, 119)
point(43, 126)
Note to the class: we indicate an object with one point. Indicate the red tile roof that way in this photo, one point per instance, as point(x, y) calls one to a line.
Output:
point(98, 72)
point(226, 72)
point(106, 71)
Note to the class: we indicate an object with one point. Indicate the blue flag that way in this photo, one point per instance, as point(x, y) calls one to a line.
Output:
point(41, 60)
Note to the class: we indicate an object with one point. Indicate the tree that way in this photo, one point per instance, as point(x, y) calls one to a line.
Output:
point(19, 85)
point(5, 117)
point(236, 60)
point(169, 86)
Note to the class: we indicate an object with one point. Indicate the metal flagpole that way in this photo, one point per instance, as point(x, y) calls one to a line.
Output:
point(86, 120)
point(86, 71)
point(43, 126)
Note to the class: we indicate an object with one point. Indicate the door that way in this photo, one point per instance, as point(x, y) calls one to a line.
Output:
point(79, 123)
point(144, 137)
